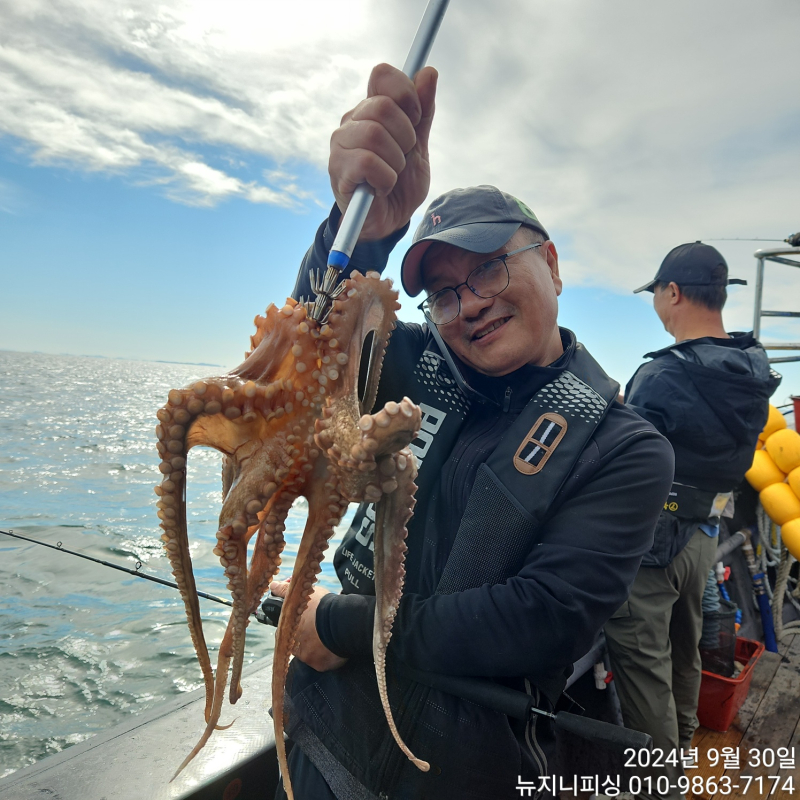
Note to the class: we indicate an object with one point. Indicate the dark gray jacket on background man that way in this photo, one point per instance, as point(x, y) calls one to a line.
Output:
point(709, 398)
point(708, 395)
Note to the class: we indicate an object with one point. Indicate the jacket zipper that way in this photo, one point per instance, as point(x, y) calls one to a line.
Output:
point(507, 400)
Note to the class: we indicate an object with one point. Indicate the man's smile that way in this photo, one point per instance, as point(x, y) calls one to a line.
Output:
point(489, 328)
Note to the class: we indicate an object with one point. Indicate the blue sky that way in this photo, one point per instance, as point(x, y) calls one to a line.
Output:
point(98, 265)
point(162, 166)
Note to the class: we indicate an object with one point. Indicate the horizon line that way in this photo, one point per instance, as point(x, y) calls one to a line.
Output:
point(114, 358)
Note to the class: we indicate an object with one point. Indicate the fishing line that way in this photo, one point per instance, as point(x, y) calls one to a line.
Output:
point(793, 240)
point(135, 572)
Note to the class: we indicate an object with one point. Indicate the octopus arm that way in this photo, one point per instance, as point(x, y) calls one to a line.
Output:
point(391, 517)
point(264, 565)
point(325, 509)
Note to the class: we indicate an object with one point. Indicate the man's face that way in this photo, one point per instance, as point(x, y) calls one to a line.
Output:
point(500, 334)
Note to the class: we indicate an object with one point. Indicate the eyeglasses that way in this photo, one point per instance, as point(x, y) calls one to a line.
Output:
point(485, 281)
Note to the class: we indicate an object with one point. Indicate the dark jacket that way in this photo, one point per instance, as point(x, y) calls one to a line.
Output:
point(709, 397)
point(521, 632)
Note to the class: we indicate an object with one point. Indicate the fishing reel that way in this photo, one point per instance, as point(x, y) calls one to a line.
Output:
point(269, 612)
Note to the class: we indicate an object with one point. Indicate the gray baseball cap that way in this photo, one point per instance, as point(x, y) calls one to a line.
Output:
point(480, 219)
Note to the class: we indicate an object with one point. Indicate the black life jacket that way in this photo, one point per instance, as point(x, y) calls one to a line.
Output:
point(509, 501)
point(518, 482)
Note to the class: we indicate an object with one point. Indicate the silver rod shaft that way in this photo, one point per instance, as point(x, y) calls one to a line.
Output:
point(353, 220)
point(426, 33)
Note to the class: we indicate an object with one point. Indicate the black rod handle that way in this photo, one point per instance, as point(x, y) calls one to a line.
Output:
point(480, 691)
point(604, 733)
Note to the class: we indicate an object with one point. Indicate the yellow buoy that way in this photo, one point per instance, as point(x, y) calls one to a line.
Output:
point(780, 503)
point(775, 422)
point(794, 480)
point(790, 534)
point(764, 471)
point(784, 447)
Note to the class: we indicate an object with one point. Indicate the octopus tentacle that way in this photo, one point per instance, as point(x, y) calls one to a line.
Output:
point(247, 590)
point(356, 451)
point(324, 513)
point(367, 305)
point(264, 566)
point(239, 520)
point(172, 512)
point(217, 698)
point(391, 516)
point(234, 559)
point(386, 431)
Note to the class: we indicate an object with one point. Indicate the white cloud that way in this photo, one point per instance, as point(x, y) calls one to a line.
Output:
point(629, 127)
point(96, 87)
point(624, 122)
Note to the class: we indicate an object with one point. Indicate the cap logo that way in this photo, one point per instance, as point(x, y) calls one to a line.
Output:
point(526, 211)
point(539, 444)
point(435, 219)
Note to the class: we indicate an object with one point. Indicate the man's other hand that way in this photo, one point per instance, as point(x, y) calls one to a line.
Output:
point(310, 649)
point(383, 141)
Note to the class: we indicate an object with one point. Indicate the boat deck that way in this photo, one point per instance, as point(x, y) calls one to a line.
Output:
point(137, 759)
point(765, 733)
point(764, 736)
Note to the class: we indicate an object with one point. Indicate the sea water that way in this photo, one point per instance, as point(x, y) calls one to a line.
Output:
point(82, 646)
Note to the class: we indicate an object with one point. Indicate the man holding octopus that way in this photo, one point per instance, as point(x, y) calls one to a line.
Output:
point(538, 491)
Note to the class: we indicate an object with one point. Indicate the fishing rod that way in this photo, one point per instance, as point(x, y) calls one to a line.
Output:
point(325, 288)
point(267, 613)
point(135, 572)
point(793, 240)
point(485, 693)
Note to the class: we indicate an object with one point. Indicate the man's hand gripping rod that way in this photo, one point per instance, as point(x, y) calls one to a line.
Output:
point(353, 220)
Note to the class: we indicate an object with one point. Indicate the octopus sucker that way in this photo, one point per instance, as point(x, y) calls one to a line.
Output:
point(290, 423)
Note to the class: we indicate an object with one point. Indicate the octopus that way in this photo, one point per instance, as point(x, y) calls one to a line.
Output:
point(290, 422)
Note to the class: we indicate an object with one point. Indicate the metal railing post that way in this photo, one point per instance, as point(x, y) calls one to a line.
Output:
point(759, 292)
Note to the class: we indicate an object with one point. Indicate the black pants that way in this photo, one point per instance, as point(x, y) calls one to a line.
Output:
point(307, 781)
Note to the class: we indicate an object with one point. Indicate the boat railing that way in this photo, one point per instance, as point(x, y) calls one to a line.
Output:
point(778, 255)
